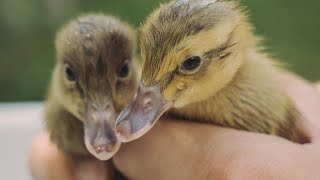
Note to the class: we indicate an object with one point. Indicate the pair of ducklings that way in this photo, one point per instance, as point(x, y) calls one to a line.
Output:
point(202, 62)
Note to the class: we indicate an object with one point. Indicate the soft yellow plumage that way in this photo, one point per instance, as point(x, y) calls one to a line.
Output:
point(204, 59)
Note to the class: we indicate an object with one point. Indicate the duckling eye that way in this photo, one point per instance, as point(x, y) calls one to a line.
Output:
point(70, 75)
point(191, 64)
point(123, 71)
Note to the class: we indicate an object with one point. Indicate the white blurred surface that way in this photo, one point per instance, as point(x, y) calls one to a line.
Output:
point(19, 124)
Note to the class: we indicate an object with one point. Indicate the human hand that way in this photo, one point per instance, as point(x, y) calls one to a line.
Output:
point(184, 150)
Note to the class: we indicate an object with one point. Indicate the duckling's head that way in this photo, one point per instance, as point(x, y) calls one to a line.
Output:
point(94, 77)
point(191, 50)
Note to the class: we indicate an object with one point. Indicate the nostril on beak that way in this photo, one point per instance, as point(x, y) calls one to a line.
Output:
point(123, 130)
point(147, 103)
point(104, 147)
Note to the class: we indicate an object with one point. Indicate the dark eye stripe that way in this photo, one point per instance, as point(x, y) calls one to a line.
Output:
point(219, 51)
point(168, 78)
point(80, 89)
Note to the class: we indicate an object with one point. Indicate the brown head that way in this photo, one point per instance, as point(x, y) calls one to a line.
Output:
point(191, 50)
point(94, 77)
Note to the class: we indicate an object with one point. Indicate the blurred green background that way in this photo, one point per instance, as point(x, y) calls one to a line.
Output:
point(27, 30)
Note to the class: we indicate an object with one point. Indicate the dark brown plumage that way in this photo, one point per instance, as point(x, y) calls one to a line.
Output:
point(93, 79)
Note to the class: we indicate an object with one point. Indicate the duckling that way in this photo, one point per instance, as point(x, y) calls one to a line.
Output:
point(93, 80)
point(202, 62)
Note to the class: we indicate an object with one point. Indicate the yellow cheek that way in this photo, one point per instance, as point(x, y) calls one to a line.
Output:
point(218, 76)
point(71, 100)
point(170, 91)
point(73, 103)
point(193, 93)
point(176, 89)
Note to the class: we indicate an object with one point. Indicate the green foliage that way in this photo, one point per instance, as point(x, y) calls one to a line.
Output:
point(27, 30)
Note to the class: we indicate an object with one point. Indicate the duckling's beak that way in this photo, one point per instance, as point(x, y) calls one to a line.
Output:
point(99, 135)
point(139, 117)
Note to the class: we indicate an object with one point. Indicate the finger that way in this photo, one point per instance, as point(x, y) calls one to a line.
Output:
point(163, 156)
point(46, 162)
point(182, 150)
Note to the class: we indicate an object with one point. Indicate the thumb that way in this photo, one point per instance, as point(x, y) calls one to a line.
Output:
point(46, 162)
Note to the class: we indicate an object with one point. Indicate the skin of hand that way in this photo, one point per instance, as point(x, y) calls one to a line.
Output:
point(185, 150)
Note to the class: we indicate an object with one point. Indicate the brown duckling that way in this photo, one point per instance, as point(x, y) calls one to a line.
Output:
point(93, 80)
point(202, 60)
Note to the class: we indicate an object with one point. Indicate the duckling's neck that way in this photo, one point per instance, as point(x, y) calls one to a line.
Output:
point(254, 100)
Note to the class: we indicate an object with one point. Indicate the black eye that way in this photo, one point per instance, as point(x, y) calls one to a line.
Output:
point(123, 70)
point(191, 63)
point(70, 75)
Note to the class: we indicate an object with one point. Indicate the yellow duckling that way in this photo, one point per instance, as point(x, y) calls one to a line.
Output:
point(93, 80)
point(203, 61)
